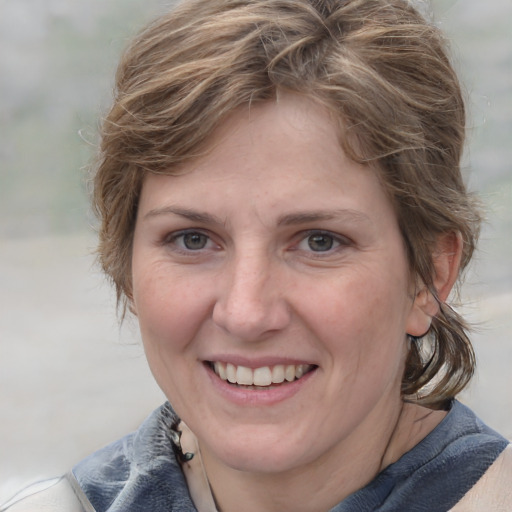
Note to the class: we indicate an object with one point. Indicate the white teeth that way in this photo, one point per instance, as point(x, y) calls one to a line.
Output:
point(278, 374)
point(244, 376)
point(289, 373)
point(220, 370)
point(260, 377)
point(231, 373)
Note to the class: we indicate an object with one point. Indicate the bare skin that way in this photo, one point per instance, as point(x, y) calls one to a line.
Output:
point(271, 493)
point(276, 250)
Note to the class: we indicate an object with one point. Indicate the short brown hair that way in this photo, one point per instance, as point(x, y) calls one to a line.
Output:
point(377, 65)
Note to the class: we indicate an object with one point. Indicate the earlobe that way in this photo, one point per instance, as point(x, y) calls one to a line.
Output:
point(446, 259)
point(424, 308)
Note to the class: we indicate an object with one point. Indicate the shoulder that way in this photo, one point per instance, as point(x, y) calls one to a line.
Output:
point(55, 495)
point(138, 472)
point(493, 492)
point(443, 467)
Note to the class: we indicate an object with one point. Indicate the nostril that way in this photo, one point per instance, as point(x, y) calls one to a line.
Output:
point(249, 318)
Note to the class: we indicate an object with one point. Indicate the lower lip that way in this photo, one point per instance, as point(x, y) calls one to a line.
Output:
point(254, 397)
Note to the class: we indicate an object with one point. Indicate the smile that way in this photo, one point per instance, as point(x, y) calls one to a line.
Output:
point(263, 377)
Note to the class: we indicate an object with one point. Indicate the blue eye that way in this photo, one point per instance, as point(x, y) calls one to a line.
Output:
point(194, 241)
point(320, 242)
point(189, 241)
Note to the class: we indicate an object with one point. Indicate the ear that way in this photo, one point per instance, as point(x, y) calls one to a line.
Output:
point(446, 258)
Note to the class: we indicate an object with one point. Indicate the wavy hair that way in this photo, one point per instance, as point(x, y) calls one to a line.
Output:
point(379, 67)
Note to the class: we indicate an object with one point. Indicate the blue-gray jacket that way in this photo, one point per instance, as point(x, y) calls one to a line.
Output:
point(142, 471)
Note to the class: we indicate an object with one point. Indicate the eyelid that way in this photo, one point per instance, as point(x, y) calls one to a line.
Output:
point(340, 240)
point(171, 239)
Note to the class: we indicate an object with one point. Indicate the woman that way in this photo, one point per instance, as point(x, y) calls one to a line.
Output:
point(283, 211)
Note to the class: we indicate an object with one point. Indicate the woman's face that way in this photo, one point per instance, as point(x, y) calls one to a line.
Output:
point(272, 290)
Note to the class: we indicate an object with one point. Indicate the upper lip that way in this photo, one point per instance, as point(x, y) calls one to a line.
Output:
point(258, 362)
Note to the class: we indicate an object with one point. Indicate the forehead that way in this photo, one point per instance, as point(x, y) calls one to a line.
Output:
point(279, 130)
point(272, 160)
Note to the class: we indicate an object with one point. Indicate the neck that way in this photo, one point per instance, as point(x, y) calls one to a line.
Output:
point(325, 482)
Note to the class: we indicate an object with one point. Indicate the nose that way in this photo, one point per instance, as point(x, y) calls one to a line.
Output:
point(250, 303)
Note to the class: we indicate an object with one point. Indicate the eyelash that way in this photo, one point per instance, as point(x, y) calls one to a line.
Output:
point(177, 240)
point(338, 241)
point(173, 239)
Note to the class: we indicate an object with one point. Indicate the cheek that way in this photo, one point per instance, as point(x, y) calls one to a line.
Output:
point(169, 315)
point(363, 302)
point(364, 320)
point(168, 310)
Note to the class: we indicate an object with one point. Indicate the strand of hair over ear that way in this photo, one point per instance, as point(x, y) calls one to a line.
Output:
point(441, 363)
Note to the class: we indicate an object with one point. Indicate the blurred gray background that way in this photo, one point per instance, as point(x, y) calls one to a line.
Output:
point(71, 379)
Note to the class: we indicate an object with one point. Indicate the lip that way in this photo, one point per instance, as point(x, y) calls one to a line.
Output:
point(257, 362)
point(261, 397)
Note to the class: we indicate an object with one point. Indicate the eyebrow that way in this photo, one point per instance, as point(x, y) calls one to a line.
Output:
point(322, 215)
point(193, 215)
point(289, 219)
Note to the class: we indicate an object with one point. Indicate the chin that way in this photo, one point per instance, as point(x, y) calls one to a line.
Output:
point(262, 463)
point(260, 453)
